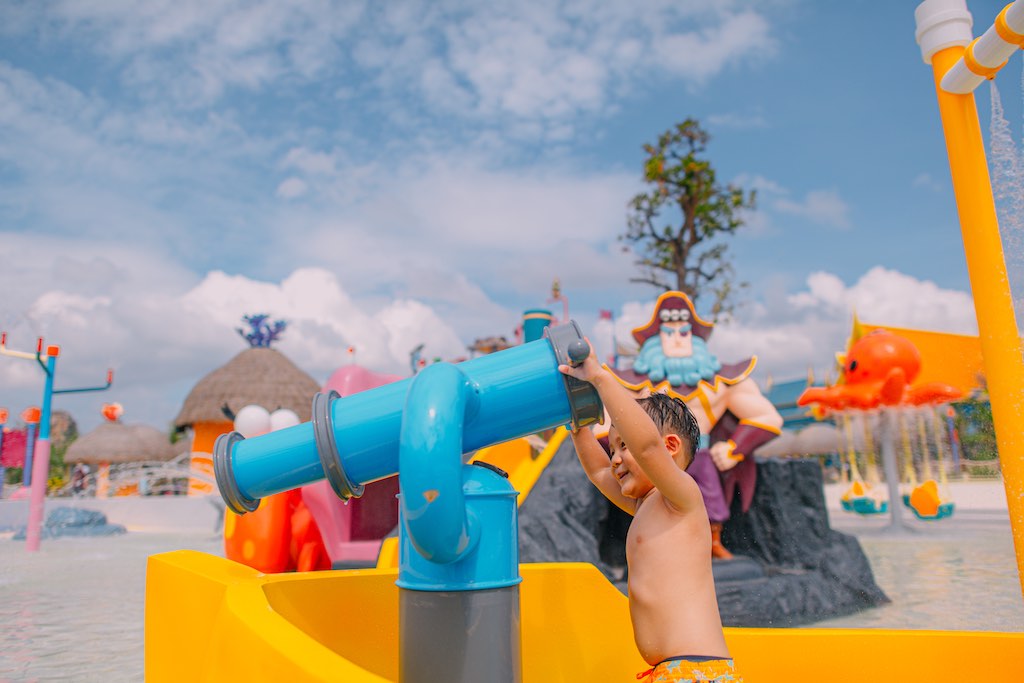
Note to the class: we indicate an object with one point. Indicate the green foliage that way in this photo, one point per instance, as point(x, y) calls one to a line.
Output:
point(58, 468)
point(976, 429)
point(674, 228)
point(63, 432)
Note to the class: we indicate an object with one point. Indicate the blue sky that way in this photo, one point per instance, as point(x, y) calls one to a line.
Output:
point(383, 175)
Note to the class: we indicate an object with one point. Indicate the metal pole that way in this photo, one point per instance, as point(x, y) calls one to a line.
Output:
point(891, 470)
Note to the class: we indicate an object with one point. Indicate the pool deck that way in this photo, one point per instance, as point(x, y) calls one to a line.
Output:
point(172, 514)
point(982, 494)
point(979, 505)
point(983, 501)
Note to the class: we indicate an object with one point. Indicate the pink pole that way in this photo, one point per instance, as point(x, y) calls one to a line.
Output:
point(40, 473)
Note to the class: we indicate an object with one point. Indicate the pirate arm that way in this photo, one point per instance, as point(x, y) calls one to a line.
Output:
point(759, 423)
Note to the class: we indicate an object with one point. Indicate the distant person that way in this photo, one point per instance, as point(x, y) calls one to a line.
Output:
point(672, 602)
point(78, 475)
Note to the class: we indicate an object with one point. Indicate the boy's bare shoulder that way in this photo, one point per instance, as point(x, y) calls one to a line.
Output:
point(688, 493)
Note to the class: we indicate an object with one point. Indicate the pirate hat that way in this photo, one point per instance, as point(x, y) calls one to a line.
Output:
point(673, 307)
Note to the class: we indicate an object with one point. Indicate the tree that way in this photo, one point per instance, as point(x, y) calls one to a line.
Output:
point(675, 227)
point(977, 431)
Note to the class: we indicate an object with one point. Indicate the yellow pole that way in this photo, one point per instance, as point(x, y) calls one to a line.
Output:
point(1001, 348)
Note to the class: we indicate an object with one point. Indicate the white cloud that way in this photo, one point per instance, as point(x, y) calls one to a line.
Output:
point(824, 207)
point(928, 182)
point(457, 225)
point(821, 207)
point(699, 55)
point(534, 61)
point(290, 188)
point(887, 297)
point(160, 345)
point(759, 183)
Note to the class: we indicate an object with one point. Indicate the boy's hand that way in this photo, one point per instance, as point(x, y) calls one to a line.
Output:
point(588, 370)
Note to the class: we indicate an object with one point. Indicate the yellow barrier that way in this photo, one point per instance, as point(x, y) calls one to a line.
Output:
point(210, 619)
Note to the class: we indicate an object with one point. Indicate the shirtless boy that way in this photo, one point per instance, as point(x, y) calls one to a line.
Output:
point(672, 602)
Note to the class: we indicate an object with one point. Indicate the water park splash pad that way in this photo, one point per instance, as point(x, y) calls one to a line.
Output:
point(37, 465)
point(459, 607)
point(878, 387)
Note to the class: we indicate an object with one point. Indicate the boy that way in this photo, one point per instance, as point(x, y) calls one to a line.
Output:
point(672, 602)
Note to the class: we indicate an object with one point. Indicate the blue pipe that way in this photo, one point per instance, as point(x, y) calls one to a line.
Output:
point(439, 403)
point(355, 440)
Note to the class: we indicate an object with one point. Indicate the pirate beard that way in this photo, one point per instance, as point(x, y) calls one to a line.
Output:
point(685, 370)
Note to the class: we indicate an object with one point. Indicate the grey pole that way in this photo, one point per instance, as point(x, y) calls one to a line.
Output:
point(460, 636)
point(892, 477)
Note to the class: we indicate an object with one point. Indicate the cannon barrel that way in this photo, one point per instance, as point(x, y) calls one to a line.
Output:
point(354, 440)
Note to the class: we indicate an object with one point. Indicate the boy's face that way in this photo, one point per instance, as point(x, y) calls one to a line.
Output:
point(631, 477)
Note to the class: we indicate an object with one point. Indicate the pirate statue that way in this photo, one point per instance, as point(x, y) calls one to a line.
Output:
point(734, 416)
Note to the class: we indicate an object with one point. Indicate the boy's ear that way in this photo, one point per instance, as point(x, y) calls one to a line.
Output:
point(673, 443)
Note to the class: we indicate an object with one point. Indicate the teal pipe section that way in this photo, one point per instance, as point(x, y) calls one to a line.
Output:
point(44, 413)
point(491, 560)
point(264, 474)
point(355, 440)
point(433, 506)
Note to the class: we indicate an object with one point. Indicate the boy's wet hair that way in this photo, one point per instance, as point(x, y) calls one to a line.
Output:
point(672, 416)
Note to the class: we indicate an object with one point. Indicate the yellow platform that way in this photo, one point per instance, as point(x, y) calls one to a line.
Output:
point(210, 619)
point(518, 458)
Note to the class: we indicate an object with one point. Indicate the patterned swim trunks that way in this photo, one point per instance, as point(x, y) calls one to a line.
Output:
point(684, 670)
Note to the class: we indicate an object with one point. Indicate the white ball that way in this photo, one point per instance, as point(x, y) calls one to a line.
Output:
point(279, 419)
point(252, 421)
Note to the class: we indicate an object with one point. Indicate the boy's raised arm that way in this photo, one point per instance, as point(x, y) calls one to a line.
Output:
point(639, 433)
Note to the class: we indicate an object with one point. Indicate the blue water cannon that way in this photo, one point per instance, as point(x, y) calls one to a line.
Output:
point(458, 538)
point(356, 440)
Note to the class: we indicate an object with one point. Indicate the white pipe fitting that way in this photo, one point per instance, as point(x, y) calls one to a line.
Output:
point(983, 57)
point(942, 24)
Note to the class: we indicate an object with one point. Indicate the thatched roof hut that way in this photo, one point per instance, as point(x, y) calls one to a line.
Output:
point(257, 376)
point(114, 442)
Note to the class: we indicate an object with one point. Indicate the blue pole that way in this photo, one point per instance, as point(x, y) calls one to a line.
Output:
point(30, 446)
point(2, 426)
point(44, 417)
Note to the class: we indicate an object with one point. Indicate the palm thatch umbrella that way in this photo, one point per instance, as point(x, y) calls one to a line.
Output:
point(115, 442)
point(257, 376)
